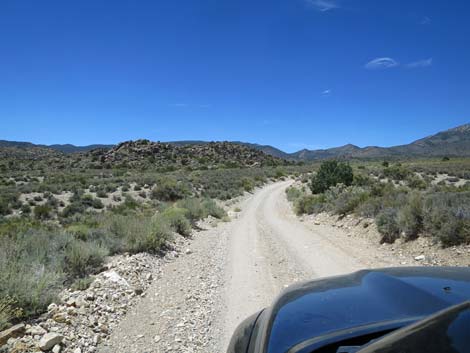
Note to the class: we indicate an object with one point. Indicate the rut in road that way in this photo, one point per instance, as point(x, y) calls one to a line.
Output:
point(233, 271)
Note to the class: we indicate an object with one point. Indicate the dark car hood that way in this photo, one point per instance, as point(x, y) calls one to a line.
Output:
point(321, 307)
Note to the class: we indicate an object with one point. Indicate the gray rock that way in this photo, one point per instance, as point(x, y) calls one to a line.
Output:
point(12, 332)
point(49, 340)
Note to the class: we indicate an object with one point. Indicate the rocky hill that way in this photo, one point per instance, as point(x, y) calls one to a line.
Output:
point(145, 153)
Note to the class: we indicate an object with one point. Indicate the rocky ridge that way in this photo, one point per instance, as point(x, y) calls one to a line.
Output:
point(157, 154)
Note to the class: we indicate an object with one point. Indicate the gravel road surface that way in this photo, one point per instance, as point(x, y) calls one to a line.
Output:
point(230, 271)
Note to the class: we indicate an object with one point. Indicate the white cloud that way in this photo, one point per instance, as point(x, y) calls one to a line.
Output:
point(326, 92)
point(381, 63)
point(425, 20)
point(323, 5)
point(420, 63)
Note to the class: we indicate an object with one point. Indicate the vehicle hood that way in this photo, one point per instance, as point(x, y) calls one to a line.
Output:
point(323, 306)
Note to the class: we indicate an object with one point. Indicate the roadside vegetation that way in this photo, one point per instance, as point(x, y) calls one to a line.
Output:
point(406, 200)
point(57, 226)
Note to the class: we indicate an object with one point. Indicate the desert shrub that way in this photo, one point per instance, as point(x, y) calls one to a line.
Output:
point(135, 234)
point(410, 216)
point(446, 217)
point(293, 193)
point(396, 172)
point(247, 184)
point(83, 257)
point(176, 218)
point(137, 187)
point(42, 212)
point(37, 198)
point(81, 283)
point(31, 269)
point(309, 204)
point(101, 194)
point(194, 209)
point(9, 311)
point(169, 190)
point(52, 201)
point(387, 225)
point(5, 208)
point(362, 180)
point(89, 201)
point(128, 206)
point(330, 174)
point(415, 182)
point(143, 194)
point(72, 209)
point(25, 209)
point(212, 209)
point(80, 231)
point(279, 173)
point(344, 199)
point(385, 164)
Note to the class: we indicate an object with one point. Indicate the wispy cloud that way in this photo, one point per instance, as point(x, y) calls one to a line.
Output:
point(425, 20)
point(381, 63)
point(419, 63)
point(326, 92)
point(323, 5)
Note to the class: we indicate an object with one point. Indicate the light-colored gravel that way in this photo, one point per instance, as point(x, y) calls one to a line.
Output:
point(193, 298)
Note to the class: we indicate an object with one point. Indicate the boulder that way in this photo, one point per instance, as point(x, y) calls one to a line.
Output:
point(12, 332)
point(49, 340)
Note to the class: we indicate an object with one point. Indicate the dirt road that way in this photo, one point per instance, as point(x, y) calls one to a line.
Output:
point(230, 272)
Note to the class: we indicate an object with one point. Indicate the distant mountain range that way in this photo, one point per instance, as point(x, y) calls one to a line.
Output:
point(67, 148)
point(452, 142)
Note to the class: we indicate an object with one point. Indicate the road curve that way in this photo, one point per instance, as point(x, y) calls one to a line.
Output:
point(270, 248)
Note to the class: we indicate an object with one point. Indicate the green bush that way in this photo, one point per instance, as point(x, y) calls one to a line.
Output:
point(194, 209)
point(81, 283)
point(89, 201)
point(415, 182)
point(293, 193)
point(212, 209)
point(31, 269)
point(9, 311)
point(42, 212)
point(26, 209)
point(247, 184)
point(344, 200)
point(331, 173)
point(396, 172)
point(135, 234)
point(309, 204)
point(101, 194)
point(4, 207)
point(410, 216)
point(169, 190)
point(387, 225)
point(447, 217)
point(83, 257)
point(176, 218)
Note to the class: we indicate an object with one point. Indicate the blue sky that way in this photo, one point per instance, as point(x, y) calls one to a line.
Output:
point(290, 73)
